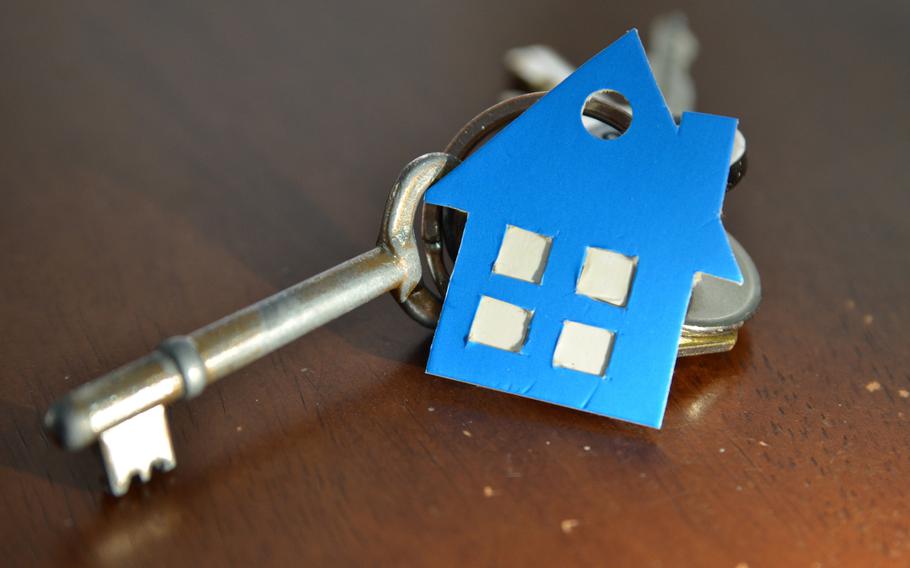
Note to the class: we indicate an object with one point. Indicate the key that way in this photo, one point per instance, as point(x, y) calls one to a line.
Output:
point(124, 411)
point(673, 49)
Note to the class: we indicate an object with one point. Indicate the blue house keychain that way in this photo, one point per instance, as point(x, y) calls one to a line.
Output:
point(579, 255)
point(571, 285)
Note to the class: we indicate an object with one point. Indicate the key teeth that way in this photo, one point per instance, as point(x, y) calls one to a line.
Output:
point(120, 486)
point(136, 446)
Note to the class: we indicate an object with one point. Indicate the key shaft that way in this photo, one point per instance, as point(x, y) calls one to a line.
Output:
point(241, 338)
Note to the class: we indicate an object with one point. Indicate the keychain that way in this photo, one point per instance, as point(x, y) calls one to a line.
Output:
point(584, 266)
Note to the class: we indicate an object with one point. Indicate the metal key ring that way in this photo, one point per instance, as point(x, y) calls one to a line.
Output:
point(437, 228)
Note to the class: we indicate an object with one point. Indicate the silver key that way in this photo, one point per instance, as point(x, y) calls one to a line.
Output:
point(124, 410)
point(672, 50)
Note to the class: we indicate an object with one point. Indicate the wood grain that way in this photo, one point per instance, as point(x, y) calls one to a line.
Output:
point(162, 164)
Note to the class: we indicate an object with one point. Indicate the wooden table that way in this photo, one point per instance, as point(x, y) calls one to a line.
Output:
point(164, 164)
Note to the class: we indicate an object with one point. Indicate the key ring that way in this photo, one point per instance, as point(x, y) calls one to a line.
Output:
point(718, 307)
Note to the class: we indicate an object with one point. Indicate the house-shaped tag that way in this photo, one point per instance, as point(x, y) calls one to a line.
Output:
point(579, 254)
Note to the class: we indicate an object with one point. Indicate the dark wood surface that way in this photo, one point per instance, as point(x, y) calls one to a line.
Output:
point(162, 164)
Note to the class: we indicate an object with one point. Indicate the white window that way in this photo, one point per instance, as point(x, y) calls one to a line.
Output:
point(606, 276)
point(500, 324)
point(583, 348)
point(523, 255)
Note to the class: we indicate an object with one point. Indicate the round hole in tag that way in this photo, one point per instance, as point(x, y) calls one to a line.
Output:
point(601, 129)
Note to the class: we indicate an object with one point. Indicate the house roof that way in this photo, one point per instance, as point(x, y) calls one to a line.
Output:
point(658, 189)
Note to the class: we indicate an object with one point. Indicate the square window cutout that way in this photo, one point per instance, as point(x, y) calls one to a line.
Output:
point(583, 348)
point(606, 276)
point(500, 324)
point(523, 255)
